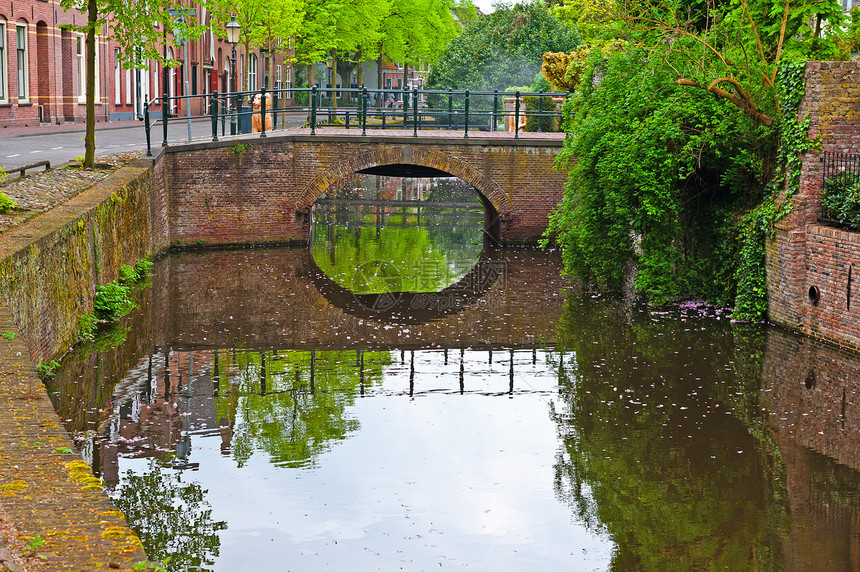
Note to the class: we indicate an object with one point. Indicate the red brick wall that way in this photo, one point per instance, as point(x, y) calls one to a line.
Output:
point(804, 253)
point(221, 193)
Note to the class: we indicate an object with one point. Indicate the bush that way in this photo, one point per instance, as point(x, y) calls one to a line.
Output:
point(546, 104)
point(6, 204)
point(841, 199)
point(111, 301)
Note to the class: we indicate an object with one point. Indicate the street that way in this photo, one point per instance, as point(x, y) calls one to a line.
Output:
point(63, 143)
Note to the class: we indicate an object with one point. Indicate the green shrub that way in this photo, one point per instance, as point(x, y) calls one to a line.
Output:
point(126, 274)
point(6, 204)
point(546, 104)
point(841, 199)
point(47, 369)
point(111, 301)
point(142, 269)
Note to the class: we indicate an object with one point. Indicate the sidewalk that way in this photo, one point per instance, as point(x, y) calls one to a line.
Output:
point(48, 128)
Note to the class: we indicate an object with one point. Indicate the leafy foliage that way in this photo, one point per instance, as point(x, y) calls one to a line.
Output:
point(751, 300)
point(654, 163)
point(841, 199)
point(6, 204)
point(502, 49)
point(672, 185)
point(545, 104)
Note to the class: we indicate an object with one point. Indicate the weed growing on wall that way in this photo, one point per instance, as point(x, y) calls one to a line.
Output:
point(112, 301)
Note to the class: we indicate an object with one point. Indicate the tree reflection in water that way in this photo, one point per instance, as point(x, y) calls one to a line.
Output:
point(172, 518)
point(293, 404)
point(663, 446)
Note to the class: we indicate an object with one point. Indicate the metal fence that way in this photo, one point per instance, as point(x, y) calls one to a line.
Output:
point(841, 174)
point(360, 108)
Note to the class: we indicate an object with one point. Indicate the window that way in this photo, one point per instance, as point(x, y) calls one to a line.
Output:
point(23, 64)
point(117, 74)
point(171, 82)
point(129, 94)
point(252, 72)
point(289, 77)
point(80, 68)
point(4, 97)
point(279, 76)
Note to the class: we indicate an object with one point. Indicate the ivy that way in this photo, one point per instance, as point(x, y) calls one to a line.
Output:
point(658, 175)
point(758, 224)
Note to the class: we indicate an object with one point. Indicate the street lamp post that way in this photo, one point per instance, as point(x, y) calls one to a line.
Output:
point(233, 31)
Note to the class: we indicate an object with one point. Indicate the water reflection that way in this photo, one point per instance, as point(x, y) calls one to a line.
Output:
point(385, 235)
point(250, 423)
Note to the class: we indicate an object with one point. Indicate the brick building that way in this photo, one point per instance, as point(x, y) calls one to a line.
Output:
point(42, 69)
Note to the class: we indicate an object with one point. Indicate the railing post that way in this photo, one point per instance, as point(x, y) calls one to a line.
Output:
point(405, 105)
point(263, 111)
point(164, 113)
point(275, 109)
point(364, 111)
point(225, 109)
point(213, 110)
point(517, 115)
point(450, 109)
point(495, 109)
point(415, 112)
point(540, 112)
point(148, 128)
point(314, 110)
point(466, 114)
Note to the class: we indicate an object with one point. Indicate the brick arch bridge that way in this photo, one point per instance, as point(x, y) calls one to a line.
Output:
point(260, 190)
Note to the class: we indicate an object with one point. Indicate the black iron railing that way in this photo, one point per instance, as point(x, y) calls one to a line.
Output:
point(840, 192)
point(355, 108)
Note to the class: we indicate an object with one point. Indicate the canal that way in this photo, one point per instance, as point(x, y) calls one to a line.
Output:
point(401, 395)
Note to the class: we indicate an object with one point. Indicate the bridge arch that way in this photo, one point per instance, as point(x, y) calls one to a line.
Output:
point(497, 202)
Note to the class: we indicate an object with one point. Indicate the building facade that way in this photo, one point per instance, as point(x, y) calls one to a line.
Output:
point(43, 69)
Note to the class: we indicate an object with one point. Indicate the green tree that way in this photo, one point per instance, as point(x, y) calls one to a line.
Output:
point(670, 184)
point(141, 29)
point(418, 31)
point(502, 49)
point(264, 24)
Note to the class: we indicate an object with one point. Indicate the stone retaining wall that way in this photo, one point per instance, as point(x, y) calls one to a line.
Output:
point(49, 269)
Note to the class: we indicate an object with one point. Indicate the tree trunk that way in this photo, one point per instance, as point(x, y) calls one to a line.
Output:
point(380, 97)
point(90, 137)
point(311, 75)
point(334, 79)
point(345, 68)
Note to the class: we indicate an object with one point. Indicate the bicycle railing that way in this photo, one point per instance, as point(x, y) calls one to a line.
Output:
point(362, 108)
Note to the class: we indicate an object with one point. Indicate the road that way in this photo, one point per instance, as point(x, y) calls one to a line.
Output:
point(63, 143)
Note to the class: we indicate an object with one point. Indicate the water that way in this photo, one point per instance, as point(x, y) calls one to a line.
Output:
point(471, 412)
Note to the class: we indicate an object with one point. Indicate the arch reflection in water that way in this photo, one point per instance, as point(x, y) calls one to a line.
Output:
point(380, 233)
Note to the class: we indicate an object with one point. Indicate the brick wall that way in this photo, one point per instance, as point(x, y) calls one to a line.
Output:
point(804, 254)
point(261, 192)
